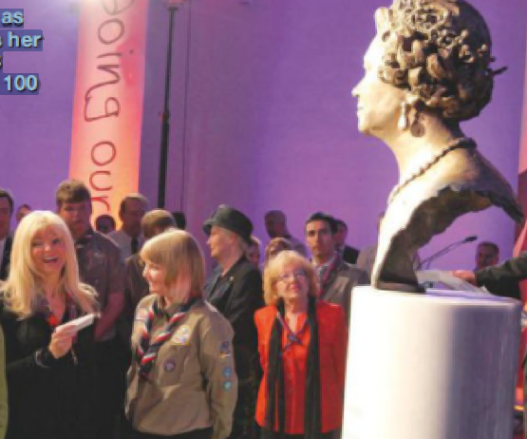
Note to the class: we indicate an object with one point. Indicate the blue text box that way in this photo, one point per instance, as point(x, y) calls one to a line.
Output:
point(19, 84)
point(15, 14)
point(30, 40)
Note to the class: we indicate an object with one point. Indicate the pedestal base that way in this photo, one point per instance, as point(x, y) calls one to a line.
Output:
point(440, 365)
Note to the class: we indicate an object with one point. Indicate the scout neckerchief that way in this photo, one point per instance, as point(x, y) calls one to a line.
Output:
point(147, 348)
point(292, 337)
point(328, 275)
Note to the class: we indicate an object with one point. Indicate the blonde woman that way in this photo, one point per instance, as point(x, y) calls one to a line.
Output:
point(182, 383)
point(302, 345)
point(50, 369)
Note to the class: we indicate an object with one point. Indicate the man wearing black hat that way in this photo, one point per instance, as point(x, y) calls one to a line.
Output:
point(235, 289)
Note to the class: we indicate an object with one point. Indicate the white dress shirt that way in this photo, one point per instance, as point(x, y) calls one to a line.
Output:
point(124, 241)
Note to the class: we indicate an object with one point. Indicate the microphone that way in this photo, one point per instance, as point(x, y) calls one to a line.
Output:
point(426, 262)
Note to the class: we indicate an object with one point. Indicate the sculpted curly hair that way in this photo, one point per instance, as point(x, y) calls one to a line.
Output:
point(440, 51)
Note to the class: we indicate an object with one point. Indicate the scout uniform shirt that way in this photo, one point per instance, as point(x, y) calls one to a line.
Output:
point(192, 384)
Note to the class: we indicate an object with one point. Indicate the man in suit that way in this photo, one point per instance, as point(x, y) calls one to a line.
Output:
point(129, 238)
point(347, 253)
point(501, 280)
point(276, 226)
point(235, 289)
point(336, 277)
point(6, 239)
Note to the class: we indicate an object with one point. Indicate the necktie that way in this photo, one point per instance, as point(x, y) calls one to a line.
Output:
point(135, 245)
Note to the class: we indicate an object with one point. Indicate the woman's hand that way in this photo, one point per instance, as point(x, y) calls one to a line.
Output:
point(61, 341)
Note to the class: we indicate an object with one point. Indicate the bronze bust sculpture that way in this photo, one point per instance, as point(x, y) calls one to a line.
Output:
point(427, 70)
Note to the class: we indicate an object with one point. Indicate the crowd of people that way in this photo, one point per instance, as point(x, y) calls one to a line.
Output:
point(172, 353)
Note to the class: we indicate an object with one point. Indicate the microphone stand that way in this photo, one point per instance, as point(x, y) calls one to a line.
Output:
point(425, 263)
point(165, 115)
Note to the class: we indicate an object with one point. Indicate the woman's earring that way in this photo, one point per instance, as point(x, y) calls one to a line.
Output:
point(402, 123)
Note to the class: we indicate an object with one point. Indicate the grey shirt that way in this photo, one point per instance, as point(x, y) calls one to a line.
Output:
point(100, 266)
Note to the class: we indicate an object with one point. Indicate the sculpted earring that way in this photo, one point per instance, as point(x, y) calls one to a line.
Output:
point(417, 128)
point(402, 123)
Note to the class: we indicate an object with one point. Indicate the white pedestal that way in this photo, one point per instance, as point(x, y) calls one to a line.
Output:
point(440, 365)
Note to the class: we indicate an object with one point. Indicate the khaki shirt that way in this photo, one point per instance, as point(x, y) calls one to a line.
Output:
point(192, 384)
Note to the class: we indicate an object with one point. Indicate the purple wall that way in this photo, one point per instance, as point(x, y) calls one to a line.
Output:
point(270, 122)
point(35, 137)
point(262, 116)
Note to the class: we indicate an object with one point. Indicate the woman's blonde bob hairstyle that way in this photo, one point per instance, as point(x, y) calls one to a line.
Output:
point(275, 268)
point(23, 288)
point(178, 252)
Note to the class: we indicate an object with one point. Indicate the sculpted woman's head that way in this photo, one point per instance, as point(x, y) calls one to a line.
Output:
point(433, 54)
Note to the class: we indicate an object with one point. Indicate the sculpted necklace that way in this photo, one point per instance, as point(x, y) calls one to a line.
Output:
point(462, 142)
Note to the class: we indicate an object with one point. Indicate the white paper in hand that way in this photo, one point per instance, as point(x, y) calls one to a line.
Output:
point(79, 323)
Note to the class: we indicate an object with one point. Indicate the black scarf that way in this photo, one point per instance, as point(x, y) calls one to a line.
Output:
point(275, 379)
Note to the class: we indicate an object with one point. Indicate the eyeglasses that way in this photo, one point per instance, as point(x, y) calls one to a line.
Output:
point(297, 274)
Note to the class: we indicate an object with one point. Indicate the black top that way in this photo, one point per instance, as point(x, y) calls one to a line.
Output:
point(238, 295)
point(350, 254)
point(503, 279)
point(6, 257)
point(48, 398)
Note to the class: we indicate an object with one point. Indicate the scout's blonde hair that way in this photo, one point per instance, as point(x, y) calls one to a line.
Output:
point(22, 290)
point(276, 267)
point(179, 253)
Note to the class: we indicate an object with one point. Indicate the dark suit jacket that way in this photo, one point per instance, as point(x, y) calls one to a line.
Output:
point(6, 259)
point(237, 296)
point(135, 288)
point(339, 292)
point(503, 279)
point(350, 254)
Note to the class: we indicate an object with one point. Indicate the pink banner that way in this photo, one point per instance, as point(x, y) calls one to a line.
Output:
point(108, 105)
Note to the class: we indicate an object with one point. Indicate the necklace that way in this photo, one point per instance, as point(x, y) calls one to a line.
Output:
point(462, 142)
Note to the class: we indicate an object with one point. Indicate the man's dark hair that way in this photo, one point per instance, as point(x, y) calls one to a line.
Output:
point(4, 193)
point(491, 245)
point(23, 206)
point(321, 216)
point(102, 217)
point(72, 191)
point(179, 218)
point(339, 222)
point(135, 196)
point(157, 221)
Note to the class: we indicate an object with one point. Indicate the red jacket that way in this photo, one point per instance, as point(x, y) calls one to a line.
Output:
point(333, 340)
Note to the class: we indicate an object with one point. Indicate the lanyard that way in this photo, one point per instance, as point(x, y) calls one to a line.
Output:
point(292, 337)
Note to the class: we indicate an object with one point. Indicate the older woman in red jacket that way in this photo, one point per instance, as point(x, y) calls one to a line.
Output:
point(302, 344)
